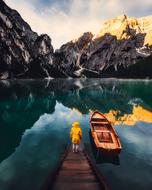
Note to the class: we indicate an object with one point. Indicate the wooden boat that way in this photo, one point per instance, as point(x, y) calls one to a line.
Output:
point(104, 135)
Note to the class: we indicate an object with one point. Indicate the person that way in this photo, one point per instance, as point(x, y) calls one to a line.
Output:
point(76, 136)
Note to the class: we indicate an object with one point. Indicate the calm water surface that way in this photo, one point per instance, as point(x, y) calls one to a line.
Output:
point(36, 116)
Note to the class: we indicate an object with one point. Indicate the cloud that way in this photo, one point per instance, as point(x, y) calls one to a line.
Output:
point(138, 7)
point(68, 19)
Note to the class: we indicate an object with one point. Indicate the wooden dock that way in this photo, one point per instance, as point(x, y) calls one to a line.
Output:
point(77, 172)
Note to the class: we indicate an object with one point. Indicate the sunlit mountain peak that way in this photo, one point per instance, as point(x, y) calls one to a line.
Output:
point(123, 26)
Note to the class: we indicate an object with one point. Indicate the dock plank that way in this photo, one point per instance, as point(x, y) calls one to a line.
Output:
point(76, 173)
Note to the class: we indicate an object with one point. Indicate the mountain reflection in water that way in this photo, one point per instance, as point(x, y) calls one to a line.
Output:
point(138, 114)
point(36, 116)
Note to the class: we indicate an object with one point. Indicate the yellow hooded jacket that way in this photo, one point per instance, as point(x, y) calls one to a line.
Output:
point(76, 133)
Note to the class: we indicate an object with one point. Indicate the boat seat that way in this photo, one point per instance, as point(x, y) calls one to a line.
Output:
point(99, 120)
point(99, 128)
point(104, 136)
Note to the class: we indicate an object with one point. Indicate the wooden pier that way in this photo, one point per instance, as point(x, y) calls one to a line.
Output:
point(77, 172)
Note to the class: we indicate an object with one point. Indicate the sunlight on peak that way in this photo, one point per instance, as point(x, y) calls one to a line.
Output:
point(123, 26)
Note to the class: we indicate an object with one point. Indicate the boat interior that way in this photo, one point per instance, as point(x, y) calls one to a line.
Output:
point(100, 124)
point(104, 137)
point(103, 132)
point(102, 129)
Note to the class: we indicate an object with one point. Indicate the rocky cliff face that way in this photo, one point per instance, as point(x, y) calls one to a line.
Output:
point(73, 54)
point(23, 53)
point(118, 26)
point(121, 43)
point(16, 41)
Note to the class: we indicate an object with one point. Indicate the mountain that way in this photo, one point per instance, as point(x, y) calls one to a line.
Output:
point(115, 51)
point(121, 43)
point(23, 53)
point(142, 69)
point(118, 26)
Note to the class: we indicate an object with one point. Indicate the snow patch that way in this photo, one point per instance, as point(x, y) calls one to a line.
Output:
point(135, 101)
point(143, 51)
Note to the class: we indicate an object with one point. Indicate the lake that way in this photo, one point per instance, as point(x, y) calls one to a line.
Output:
point(36, 117)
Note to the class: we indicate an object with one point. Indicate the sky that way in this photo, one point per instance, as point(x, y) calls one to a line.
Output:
point(66, 20)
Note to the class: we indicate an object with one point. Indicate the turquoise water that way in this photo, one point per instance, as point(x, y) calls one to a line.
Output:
point(36, 116)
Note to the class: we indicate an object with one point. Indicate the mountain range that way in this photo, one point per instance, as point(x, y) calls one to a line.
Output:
point(121, 49)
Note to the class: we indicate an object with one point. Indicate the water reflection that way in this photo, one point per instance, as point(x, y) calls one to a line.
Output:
point(135, 159)
point(138, 114)
point(81, 94)
point(40, 144)
point(22, 102)
point(35, 117)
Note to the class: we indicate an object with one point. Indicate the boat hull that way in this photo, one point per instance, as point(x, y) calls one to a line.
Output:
point(103, 135)
point(109, 151)
point(104, 151)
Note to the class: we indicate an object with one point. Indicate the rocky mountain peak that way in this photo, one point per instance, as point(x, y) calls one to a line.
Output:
point(121, 43)
point(83, 41)
point(21, 48)
point(72, 53)
point(123, 27)
point(42, 45)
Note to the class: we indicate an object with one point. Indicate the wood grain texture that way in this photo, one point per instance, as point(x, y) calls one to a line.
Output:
point(76, 174)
